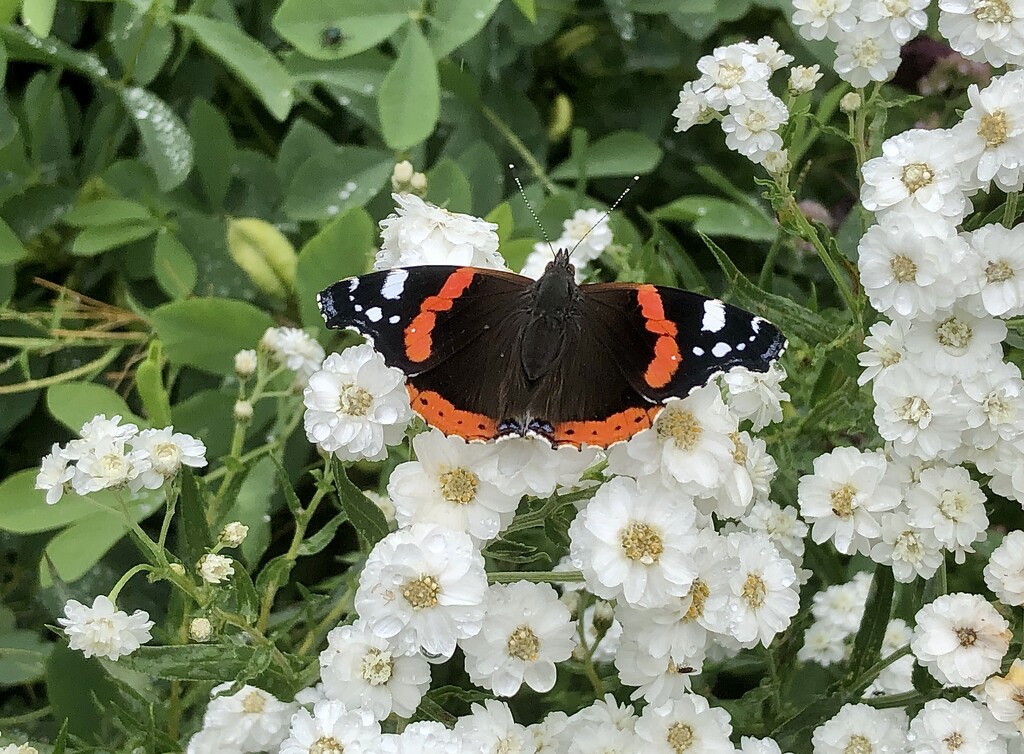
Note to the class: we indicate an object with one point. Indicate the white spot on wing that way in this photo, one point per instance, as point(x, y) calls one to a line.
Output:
point(698, 351)
point(393, 319)
point(353, 284)
point(394, 284)
point(741, 346)
point(374, 314)
point(714, 316)
point(357, 307)
point(720, 350)
point(755, 324)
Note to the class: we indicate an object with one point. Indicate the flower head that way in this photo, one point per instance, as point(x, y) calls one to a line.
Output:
point(960, 639)
point(103, 631)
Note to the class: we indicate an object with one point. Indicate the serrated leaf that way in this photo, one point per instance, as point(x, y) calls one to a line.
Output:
point(246, 58)
point(622, 153)
point(367, 518)
point(361, 24)
point(23, 656)
point(244, 593)
point(409, 100)
point(168, 143)
point(208, 332)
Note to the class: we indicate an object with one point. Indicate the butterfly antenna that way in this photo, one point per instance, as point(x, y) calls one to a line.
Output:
point(522, 191)
point(611, 209)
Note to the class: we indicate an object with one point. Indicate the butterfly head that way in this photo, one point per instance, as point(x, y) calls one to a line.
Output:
point(556, 289)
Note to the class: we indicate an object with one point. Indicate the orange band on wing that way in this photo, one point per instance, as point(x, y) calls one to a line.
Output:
point(667, 358)
point(604, 432)
point(419, 334)
point(440, 413)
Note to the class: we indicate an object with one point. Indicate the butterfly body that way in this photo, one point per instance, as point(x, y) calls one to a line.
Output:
point(490, 354)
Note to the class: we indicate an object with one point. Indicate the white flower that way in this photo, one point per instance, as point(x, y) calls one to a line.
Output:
point(331, 729)
point(817, 19)
point(245, 363)
point(844, 496)
point(692, 110)
point(905, 18)
point(896, 678)
point(732, 76)
point(363, 671)
point(917, 169)
point(107, 463)
point(997, 257)
point(955, 342)
point(605, 711)
point(54, 474)
point(776, 162)
point(748, 480)
point(356, 405)
point(868, 52)
point(215, 568)
point(767, 51)
point(960, 639)
point(446, 485)
point(782, 525)
point(842, 605)
point(751, 128)
point(658, 678)
point(167, 451)
point(690, 445)
point(602, 738)
point(200, 629)
point(990, 137)
point(912, 550)
point(586, 234)
point(490, 729)
point(295, 349)
point(756, 395)
point(686, 722)
point(423, 587)
point(1004, 573)
point(885, 349)
point(909, 268)
point(233, 534)
point(750, 745)
point(765, 592)
point(633, 541)
point(249, 720)
point(427, 737)
point(860, 728)
point(989, 31)
point(525, 632)
point(1004, 695)
point(542, 255)
point(823, 645)
point(917, 411)
point(963, 726)
point(530, 466)
point(102, 631)
point(97, 431)
point(420, 233)
point(950, 504)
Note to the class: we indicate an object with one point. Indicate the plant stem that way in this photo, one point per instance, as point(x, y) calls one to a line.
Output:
point(342, 607)
point(535, 577)
point(55, 379)
point(1010, 210)
point(521, 149)
point(124, 580)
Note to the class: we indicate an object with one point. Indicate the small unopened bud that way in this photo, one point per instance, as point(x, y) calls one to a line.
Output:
point(851, 102)
point(233, 534)
point(215, 568)
point(200, 629)
point(572, 601)
point(402, 174)
point(802, 78)
point(268, 258)
point(418, 184)
point(245, 363)
point(243, 411)
point(603, 615)
point(177, 568)
point(776, 162)
point(24, 749)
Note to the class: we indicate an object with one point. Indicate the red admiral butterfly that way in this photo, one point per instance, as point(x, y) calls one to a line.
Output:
point(491, 354)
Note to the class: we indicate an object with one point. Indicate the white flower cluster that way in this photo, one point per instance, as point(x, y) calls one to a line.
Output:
point(586, 235)
point(103, 631)
point(734, 87)
point(111, 455)
point(292, 347)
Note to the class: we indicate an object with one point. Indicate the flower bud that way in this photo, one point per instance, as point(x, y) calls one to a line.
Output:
point(802, 78)
point(418, 184)
point(572, 601)
point(401, 175)
point(560, 118)
point(243, 411)
point(200, 629)
point(177, 568)
point(267, 257)
point(233, 534)
point(245, 363)
point(603, 615)
point(851, 102)
point(776, 162)
point(215, 568)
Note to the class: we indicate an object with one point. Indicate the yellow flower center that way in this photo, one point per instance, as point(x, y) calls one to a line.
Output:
point(896, 7)
point(916, 176)
point(993, 11)
point(739, 450)
point(998, 271)
point(377, 666)
point(954, 334)
point(858, 744)
point(680, 737)
point(326, 745)
point(953, 741)
point(913, 410)
point(903, 269)
point(641, 542)
point(966, 636)
point(754, 591)
point(699, 593)
point(680, 426)
point(842, 500)
point(729, 75)
point(253, 703)
point(421, 592)
point(865, 53)
point(523, 644)
point(459, 486)
point(993, 128)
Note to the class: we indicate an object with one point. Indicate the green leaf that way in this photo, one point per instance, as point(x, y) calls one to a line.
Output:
point(194, 536)
point(149, 383)
point(214, 150)
point(167, 141)
point(173, 266)
point(341, 249)
point(717, 217)
point(317, 542)
point(327, 185)
point(455, 22)
point(191, 662)
point(867, 646)
point(38, 15)
point(245, 57)
point(529, 9)
point(623, 153)
point(76, 549)
point(502, 217)
point(23, 509)
point(100, 238)
point(252, 507)
point(23, 656)
point(290, 498)
point(11, 248)
point(244, 593)
point(367, 518)
point(410, 98)
point(107, 212)
point(75, 403)
point(786, 314)
point(208, 332)
point(78, 688)
point(448, 187)
point(362, 24)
